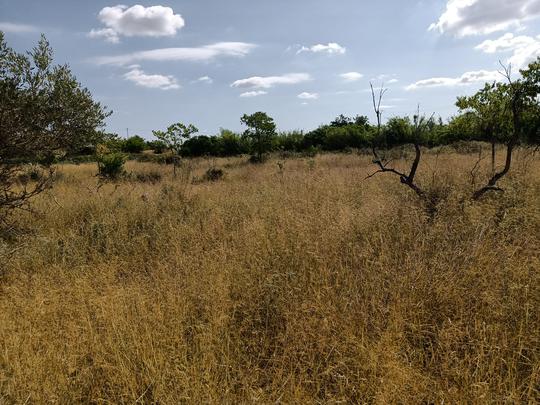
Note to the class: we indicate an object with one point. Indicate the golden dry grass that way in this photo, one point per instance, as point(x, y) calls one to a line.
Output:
point(301, 285)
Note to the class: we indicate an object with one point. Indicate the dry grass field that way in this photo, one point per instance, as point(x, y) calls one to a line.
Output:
point(299, 284)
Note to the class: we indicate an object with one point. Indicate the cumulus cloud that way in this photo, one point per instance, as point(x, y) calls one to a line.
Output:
point(16, 28)
point(267, 82)
point(331, 48)
point(154, 21)
point(480, 76)
point(198, 54)
point(140, 78)
point(351, 76)
point(251, 94)
point(308, 96)
point(524, 49)
point(476, 17)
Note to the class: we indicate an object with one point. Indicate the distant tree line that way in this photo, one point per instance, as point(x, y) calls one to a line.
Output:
point(46, 115)
point(482, 117)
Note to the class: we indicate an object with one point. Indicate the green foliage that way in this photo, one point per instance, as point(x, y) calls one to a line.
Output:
point(531, 116)
point(134, 144)
point(261, 130)
point(488, 112)
point(175, 136)
point(200, 146)
point(231, 144)
point(289, 141)
point(157, 146)
point(111, 165)
point(44, 108)
point(45, 113)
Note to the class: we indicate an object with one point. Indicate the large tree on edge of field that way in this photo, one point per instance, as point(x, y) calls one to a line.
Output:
point(44, 112)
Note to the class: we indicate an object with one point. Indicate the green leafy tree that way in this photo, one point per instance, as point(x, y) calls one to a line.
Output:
point(44, 112)
point(521, 99)
point(174, 138)
point(157, 146)
point(134, 144)
point(230, 143)
point(491, 118)
point(261, 130)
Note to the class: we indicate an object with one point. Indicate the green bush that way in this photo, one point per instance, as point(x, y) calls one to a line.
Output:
point(135, 144)
point(111, 165)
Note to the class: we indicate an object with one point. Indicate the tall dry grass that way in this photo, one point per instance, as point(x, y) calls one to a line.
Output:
point(300, 284)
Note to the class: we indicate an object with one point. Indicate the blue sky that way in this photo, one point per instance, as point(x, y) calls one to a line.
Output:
point(208, 62)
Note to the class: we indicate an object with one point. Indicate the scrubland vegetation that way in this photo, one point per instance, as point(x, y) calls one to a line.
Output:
point(291, 276)
point(298, 283)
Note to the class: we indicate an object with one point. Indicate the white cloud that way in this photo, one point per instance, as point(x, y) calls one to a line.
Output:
point(16, 28)
point(331, 48)
point(140, 21)
point(480, 76)
point(108, 34)
point(308, 96)
point(475, 17)
point(251, 94)
point(351, 76)
point(258, 82)
point(140, 78)
point(205, 79)
point(199, 54)
point(524, 49)
point(386, 78)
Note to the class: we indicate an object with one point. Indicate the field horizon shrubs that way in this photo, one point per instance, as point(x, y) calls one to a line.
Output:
point(293, 281)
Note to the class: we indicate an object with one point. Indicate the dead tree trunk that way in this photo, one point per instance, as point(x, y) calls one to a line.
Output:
point(406, 179)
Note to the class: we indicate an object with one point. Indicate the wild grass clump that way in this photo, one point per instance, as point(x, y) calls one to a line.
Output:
point(314, 286)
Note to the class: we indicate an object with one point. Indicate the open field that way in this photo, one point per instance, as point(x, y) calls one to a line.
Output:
point(303, 283)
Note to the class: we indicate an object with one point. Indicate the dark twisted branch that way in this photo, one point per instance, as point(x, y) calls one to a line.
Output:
point(419, 122)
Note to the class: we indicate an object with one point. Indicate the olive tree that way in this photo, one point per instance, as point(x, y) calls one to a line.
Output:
point(44, 112)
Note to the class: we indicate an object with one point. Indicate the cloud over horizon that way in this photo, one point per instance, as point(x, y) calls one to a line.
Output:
point(258, 82)
point(480, 76)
